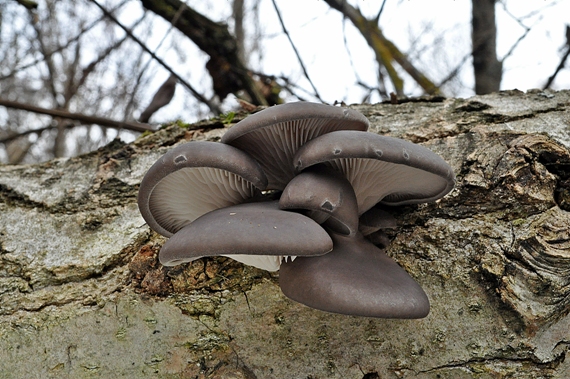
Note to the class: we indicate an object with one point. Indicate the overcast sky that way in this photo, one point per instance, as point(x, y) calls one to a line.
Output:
point(436, 34)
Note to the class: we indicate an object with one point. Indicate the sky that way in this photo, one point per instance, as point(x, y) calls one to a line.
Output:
point(414, 25)
point(434, 33)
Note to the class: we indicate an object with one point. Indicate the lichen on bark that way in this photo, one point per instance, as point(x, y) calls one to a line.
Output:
point(83, 295)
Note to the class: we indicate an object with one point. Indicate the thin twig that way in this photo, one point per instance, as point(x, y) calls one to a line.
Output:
point(213, 107)
point(14, 136)
point(295, 50)
point(377, 19)
point(60, 48)
point(145, 66)
point(560, 67)
point(135, 126)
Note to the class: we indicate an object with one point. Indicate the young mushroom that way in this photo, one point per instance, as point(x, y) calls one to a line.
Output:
point(193, 179)
point(274, 135)
point(258, 234)
point(325, 196)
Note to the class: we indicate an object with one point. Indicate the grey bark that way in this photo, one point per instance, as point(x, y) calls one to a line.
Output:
point(82, 295)
point(487, 68)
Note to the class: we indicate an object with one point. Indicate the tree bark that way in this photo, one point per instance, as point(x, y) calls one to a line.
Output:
point(488, 69)
point(82, 294)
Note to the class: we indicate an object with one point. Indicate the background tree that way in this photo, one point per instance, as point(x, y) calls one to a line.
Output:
point(79, 60)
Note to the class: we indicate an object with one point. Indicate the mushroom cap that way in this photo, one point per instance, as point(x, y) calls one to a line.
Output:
point(375, 219)
point(356, 278)
point(193, 179)
point(273, 135)
point(260, 233)
point(380, 168)
point(327, 197)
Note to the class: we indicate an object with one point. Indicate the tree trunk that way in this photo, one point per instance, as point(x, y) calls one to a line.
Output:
point(82, 295)
point(488, 69)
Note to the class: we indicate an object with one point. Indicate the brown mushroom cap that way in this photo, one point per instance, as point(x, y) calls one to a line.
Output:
point(193, 179)
point(326, 196)
point(258, 234)
point(356, 278)
point(274, 135)
point(380, 169)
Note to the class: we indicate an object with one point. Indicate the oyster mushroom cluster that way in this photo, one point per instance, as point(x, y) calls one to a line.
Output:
point(293, 188)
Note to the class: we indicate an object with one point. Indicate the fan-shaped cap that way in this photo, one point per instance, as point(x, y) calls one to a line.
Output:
point(193, 179)
point(258, 234)
point(327, 197)
point(356, 278)
point(380, 169)
point(274, 135)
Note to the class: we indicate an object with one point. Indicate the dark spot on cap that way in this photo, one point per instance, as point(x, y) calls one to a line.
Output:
point(379, 153)
point(406, 154)
point(337, 151)
point(180, 159)
point(327, 205)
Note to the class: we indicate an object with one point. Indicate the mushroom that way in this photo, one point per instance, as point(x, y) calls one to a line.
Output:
point(380, 168)
point(325, 196)
point(274, 135)
point(258, 234)
point(375, 219)
point(193, 179)
point(356, 278)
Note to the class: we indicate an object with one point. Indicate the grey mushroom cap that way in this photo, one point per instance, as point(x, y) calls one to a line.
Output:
point(325, 196)
point(193, 179)
point(375, 219)
point(274, 135)
point(356, 278)
point(380, 168)
point(259, 234)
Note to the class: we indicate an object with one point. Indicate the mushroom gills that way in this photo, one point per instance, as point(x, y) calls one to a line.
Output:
point(190, 192)
point(264, 262)
point(390, 183)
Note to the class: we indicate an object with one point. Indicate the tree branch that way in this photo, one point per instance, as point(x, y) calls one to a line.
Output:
point(385, 50)
point(227, 70)
point(560, 67)
point(213, 107)
point(135, 126)
point(296, 51)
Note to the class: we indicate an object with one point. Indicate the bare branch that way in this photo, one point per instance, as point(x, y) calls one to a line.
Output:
point(14, 136)
point(559, 68)
point(487, 68)
point(60, 48)
point(296, 51)
point(385, 50)
point(29, 4)
point(162, 97)
point(239, 33)
point(228, 72)
point(377, 18)
point(213, 107)
point(135, 126)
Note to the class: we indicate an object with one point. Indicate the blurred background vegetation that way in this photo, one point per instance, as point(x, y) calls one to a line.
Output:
point(75, 75)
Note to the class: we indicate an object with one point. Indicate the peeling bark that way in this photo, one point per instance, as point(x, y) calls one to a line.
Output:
point(82, 293)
